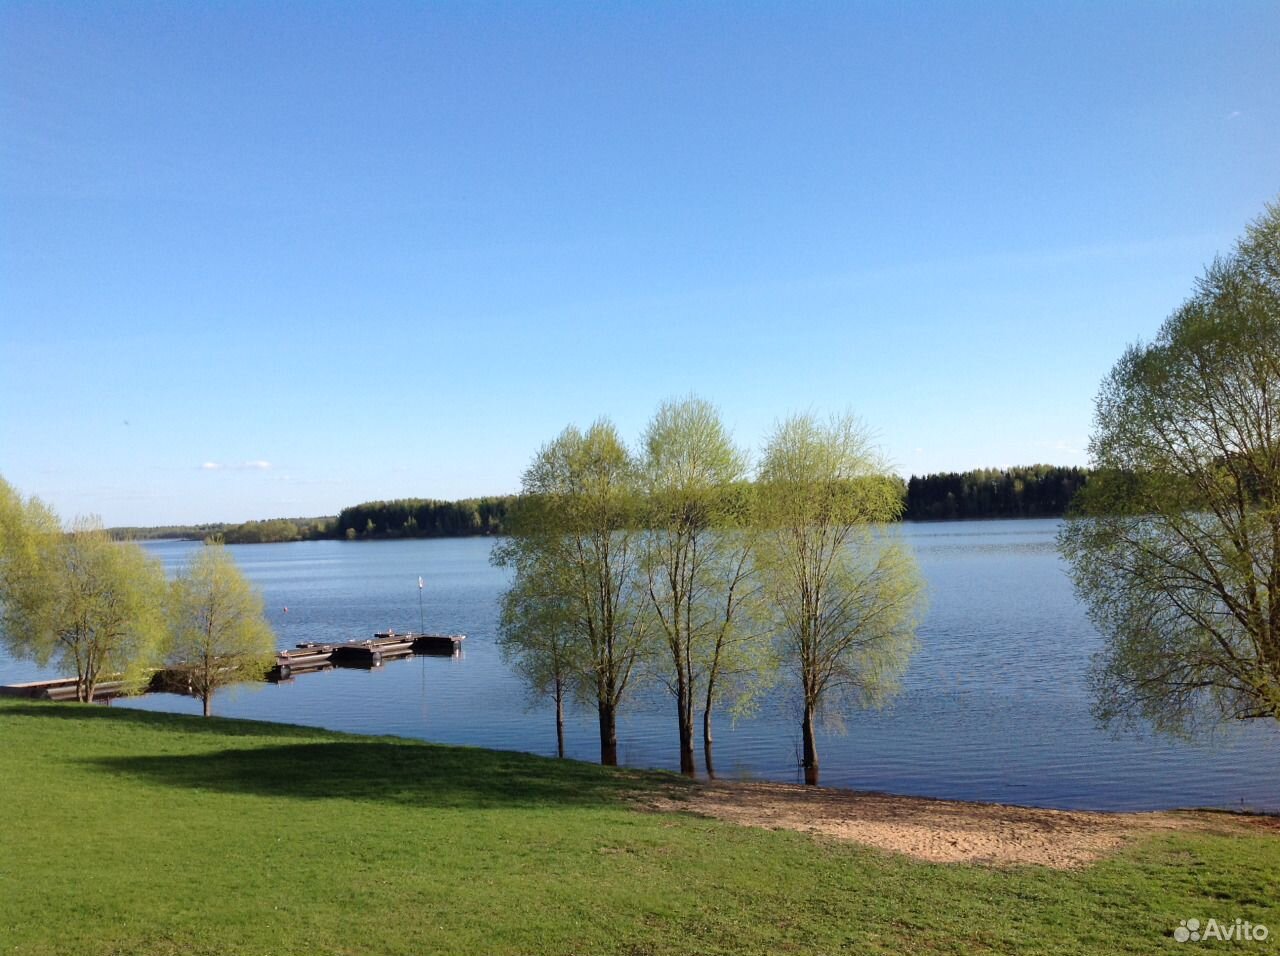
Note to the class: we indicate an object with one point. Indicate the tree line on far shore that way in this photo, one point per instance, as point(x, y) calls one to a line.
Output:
point(265, 531)
point(1029, 491)
point(1025, 491)
point(423, 518)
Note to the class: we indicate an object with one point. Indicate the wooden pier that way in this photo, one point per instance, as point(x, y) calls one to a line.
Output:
point(307, 657)
point(64, 688)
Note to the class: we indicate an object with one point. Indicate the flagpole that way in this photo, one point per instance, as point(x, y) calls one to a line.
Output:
point(422, 627)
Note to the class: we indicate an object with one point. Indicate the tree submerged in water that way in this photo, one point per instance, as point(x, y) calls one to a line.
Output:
point(573, 547)
point(677, 568)
point(698, 571)
point(844, 590)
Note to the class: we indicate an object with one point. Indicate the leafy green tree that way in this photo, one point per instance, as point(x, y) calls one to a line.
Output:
point(844, 590)
point(29, 537)
point(1175, 541)
point(91, 605)
point(108, 609)
point(740, 662)
point(696, 560)
point(220, 633)
point(575, 526)
point(536, 633)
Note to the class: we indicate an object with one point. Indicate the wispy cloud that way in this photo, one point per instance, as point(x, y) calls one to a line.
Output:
point(1233, 114)
point(236, 466)
point(1062, 445)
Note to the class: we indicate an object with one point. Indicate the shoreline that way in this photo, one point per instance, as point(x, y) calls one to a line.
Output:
point(736, 794)
point(930, 829)
point(939, 830)
point(121, 533)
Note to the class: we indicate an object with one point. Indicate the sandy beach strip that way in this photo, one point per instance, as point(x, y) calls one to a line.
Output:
point(943, 831)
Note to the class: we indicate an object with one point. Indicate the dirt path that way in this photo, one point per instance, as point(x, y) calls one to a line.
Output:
point(941, 831)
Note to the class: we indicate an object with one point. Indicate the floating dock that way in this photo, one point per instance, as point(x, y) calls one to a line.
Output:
point(305, 658)
point(309, 656)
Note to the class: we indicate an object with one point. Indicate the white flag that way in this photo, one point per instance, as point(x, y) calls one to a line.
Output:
point(419, 582)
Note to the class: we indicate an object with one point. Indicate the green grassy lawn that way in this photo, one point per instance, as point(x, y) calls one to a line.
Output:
point(128, 832)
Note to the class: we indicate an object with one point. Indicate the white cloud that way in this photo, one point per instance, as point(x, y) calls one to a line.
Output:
point(237, 466)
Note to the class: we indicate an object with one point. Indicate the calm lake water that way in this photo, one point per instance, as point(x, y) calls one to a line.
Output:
point(994, 706)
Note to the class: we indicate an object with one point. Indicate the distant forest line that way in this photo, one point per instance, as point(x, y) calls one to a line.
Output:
point(1032, 491)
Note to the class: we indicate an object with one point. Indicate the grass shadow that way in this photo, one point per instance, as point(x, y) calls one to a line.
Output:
point(316, 764)
point(158, 720)
point(404, 773)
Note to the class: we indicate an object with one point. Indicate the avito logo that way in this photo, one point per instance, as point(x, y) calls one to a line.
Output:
point(1192, 930)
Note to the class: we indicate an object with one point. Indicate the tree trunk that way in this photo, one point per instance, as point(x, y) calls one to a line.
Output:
point(608, 735)
point(85, 680)
point(810, 748)
point(559, 720)
point(684, 714)
point(706, 742)
point(207, 698)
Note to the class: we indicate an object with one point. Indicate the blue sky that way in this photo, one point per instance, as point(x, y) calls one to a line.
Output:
point(273, 259)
